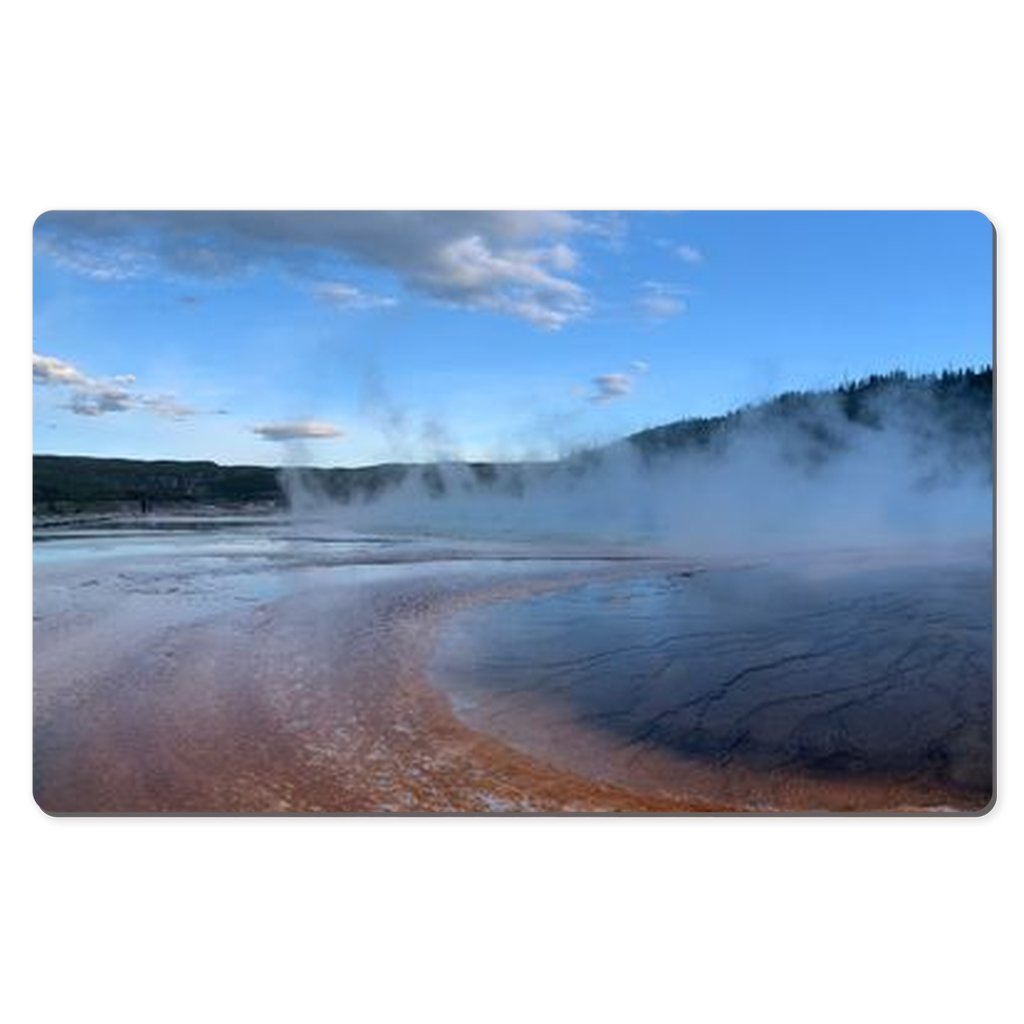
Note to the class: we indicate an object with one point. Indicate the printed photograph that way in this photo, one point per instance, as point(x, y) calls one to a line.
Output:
point(446, 512)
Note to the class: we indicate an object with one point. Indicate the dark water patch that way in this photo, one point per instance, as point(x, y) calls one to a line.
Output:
point(884, 673)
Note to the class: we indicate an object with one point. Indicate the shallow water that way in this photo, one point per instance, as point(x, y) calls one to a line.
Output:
point(621, 668)
point(269, 667)
point(882, 672)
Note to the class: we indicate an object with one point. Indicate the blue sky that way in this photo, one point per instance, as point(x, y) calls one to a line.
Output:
point(353, 338)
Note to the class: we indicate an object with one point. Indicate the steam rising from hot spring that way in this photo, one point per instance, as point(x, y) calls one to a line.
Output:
point(908, 466)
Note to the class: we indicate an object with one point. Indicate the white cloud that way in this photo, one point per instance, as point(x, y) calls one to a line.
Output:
point(661, 301)
point(561, 257)
point(471, 271)
point(51, 370)
point(662, 307)
point(97, 399)
point(609, 386)
point(689, 254)
point(296, 430)
point(346, 296)
point(513, 262)
point(94, 396)
point(91, 258)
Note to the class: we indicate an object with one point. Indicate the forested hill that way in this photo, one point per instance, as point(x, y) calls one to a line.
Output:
point(948, 407)
point(951, 411)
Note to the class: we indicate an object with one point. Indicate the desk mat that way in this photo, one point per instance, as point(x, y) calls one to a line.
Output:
point(513, 512)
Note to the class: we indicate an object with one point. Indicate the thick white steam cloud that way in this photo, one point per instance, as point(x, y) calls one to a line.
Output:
point(909, 466)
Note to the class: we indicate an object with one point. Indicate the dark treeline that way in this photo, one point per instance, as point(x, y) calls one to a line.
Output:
point(955, 402)
point(62, 484)
point(950, 410)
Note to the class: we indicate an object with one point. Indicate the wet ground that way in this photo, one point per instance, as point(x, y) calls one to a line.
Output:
point(839, 671)
point(259, 665)
point(275, 667)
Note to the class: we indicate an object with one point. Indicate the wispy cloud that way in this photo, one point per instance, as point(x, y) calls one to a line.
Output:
point(512, 262)
point(168, 405)
point(98, 398)
point(95, 396)
point(92, 258)
point(661, 301)
point(689, 254)
point(297, 430)
point(347, 296)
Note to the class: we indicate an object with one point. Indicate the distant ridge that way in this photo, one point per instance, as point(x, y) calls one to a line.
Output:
point(960, 399)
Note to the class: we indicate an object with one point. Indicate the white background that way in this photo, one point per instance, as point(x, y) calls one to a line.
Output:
point(526, 104)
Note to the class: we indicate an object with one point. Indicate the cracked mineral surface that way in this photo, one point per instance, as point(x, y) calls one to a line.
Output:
point(853, 680)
